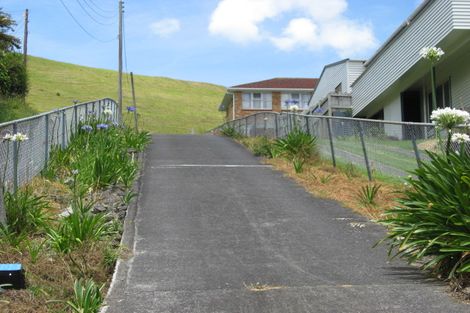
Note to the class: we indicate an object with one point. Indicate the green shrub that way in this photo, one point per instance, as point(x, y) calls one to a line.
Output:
point(368, 194)
point(87, 297)
point(297, 147)
point(99, 155)
point(13, 75)
point(432, 223)
point(80, 227)
point(25, 212)
point(264, 147)
point(230, 131)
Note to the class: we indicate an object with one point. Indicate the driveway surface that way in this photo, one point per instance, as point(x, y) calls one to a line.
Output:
point(212, 222)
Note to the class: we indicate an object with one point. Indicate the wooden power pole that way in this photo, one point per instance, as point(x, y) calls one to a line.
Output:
point(25, 38)
point(134, 102)
point(120, 61)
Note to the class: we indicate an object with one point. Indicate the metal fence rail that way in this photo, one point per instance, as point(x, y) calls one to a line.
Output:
point(378, 147)
point(44, 132)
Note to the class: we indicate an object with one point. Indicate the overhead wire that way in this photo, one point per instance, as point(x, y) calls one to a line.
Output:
point(100, 8)
point(90, 4)
point(91, 16)
point(82, 27)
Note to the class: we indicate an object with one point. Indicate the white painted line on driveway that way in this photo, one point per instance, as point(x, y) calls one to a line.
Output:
point(210, 165)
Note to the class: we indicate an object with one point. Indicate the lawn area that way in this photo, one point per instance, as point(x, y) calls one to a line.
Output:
point(383, 154)
point(165, 105)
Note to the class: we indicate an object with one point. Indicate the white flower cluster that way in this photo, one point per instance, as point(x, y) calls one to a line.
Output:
point(432, 54)
point(460, 138)
point(108, 112)
point(449, 118)
point(294, 108)
point(16, 137)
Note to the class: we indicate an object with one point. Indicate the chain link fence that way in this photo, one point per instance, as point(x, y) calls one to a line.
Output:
point(22, 161)
point(378, 147)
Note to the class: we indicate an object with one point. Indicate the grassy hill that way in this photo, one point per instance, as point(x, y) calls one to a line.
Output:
point(165, 105)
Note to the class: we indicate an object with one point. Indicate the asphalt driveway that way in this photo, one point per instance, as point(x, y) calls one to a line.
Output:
point(213, 225)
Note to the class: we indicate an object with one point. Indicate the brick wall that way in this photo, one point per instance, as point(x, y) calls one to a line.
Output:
point(240, 112)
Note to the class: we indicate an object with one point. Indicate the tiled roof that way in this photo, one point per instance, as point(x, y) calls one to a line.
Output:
point(282, 83)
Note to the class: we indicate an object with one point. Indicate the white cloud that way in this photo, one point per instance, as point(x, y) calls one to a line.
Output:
point(319, 24)
point(299, 32)
point(165, 27)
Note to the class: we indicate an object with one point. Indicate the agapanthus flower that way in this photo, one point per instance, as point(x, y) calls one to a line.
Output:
point(108, 112)
point(102, 126)
point(19, 137)
point(432, 54)
point(460, 138)
point(87, 128)
point(294, 108)
point(449, 118)
point(8, 137)
point(131, 109)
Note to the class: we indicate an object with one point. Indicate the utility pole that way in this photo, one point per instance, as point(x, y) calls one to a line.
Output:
point(135, 103)
point(121, 11)
point(25, 38)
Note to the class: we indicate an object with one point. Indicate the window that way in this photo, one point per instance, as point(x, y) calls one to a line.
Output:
point(299, 99)
point(443, 96)
point(257, 101)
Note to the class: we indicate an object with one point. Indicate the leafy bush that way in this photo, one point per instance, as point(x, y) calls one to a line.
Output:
point(297, 147)
point(432, 223)
point(87, 297)
point(80, 227)
point(368, 194)
point(25, 212)
point(13, 75)
point(230, 131)
point(99, 152)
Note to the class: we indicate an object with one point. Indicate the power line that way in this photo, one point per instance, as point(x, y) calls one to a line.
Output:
point(100, 8)
point(90, 4)
point(91, 16)
point(83, 28)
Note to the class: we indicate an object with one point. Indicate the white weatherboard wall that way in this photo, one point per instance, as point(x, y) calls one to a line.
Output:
point(430, 26)
point(343, 72)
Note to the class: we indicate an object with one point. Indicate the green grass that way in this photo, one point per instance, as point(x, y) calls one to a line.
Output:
point(14, 108)
point(165, 105)
point(392, 153)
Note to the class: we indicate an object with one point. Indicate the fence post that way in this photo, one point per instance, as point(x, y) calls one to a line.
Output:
point(75, 116)
point(330, 135)
point(415, 147)
point(366, 159)
point(16, 160)
point(246, 126)
point(256, 118)
point(307, 126)
point(46, 140)
point(265, 119)
point(64, 127)
point(276, 125)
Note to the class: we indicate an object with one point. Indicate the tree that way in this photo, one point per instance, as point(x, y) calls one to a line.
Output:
point(7, 42)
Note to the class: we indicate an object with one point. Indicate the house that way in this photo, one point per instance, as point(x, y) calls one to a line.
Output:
point(333, 93)
point(272, 95)
point(395, 83)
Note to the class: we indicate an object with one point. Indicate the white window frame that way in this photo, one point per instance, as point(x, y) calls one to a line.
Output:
point(301, 96)
point(265, 101)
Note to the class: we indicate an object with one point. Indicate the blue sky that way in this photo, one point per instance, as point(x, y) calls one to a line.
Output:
point(225, 42)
